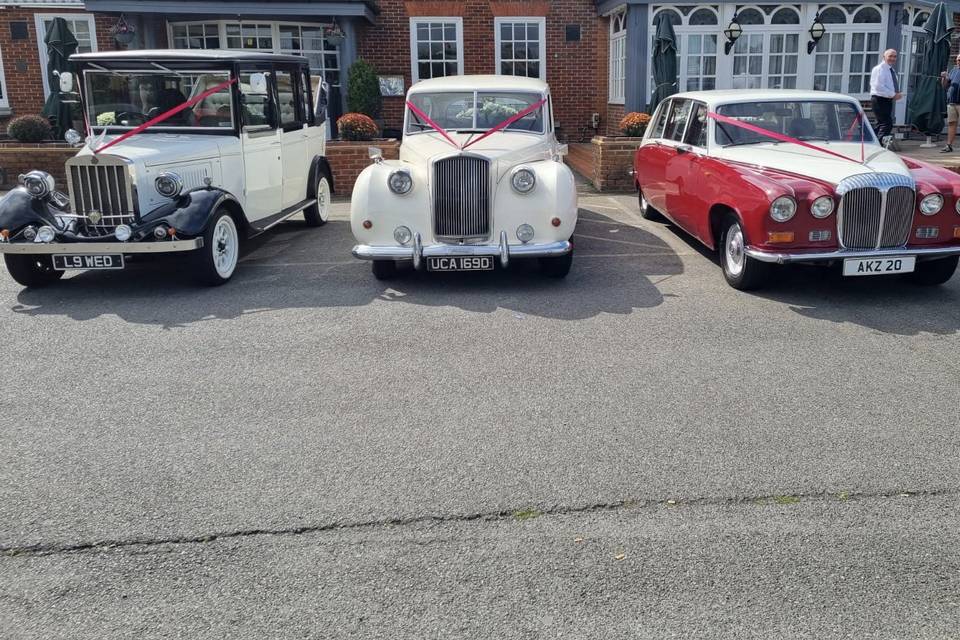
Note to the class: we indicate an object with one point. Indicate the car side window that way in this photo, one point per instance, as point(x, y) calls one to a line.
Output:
point(661, 120)
point(304, 87)
point(290, 104)
point(256, 103)
point(677, 120)
point(697, 131)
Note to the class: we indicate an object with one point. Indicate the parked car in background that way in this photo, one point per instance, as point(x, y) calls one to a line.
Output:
point(244, 151)
point(480, 181)
point(775, 177)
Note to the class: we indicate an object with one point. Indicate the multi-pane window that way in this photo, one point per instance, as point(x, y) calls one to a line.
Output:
point(81, 26)
point(618, 58)
point(436, 47)
point(849, 50)
point(783, 59)
point(701, 55)
point(864, 53)
point(196, 35)
point(250, 36)
point(520, 47)
point(748, 61)
point(308, 41)
point(828, 63)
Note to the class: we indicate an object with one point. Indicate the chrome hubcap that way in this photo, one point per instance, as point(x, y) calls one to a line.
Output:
point(225, 246)
point(323, 198)
point(735, 256)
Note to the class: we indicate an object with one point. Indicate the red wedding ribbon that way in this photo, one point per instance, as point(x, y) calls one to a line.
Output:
point(777, 136)
point(503, 125)
point(167, 114)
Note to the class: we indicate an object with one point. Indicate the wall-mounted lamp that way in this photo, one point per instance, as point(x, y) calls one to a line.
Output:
point(732, 33)
point(816, 32)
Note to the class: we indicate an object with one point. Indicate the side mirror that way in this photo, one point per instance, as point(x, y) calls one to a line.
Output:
point(376, 154)
point(258, 83)
point(320, 106)
point(66, 82)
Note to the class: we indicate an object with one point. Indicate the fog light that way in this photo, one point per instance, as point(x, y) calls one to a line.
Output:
point(29, 234)
point(123, 232)
point(402, 234)
point(780, 236)
point(46, 234)
point(556, 222)
point(524, 233)
point(367, 224)
point(928, 232)
point(820, 236)
point(159, 233)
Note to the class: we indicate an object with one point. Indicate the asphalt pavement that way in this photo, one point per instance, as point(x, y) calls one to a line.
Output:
point(636, 451)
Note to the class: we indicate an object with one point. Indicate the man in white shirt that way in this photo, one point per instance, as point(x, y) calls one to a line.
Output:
point(884, 91)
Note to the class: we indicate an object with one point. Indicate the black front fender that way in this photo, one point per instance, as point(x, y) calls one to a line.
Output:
point(18, 209)
point(190, 213)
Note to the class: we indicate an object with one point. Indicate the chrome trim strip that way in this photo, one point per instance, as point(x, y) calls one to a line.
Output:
point(842, 254)
point(89, 248)
point(549, 250)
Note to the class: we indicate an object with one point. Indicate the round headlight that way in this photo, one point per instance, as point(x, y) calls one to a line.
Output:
point(402, 235)
point(400, 182)
point(524, 233)
point(931, 204)
point(523, 180)
point(72, 137)
point(783, 208)
point(168, 184)
point(123, 232)
point(39, 184)
point(46, 234)
point(30, 234)
point(822, 207)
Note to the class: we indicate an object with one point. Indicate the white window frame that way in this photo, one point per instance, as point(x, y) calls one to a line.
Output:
point(849, 29)
point(4, 96)
point(617, 63)
point(38, 20)
point(414, 21)
point(541, 23)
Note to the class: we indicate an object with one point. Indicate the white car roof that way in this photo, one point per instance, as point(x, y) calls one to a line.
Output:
point(480, 83)
point(728, 96)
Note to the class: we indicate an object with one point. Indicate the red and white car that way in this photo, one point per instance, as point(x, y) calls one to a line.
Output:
point(773, 177)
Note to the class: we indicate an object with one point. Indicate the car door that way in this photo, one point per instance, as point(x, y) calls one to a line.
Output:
point(689, 204)
point(261, 143)
point(677, 162)
point(294, 134)
point(652, 158)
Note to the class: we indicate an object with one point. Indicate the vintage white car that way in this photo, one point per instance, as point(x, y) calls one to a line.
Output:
point(236, 146)
point(480, 180)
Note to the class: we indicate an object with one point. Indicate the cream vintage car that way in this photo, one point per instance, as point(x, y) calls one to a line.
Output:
point(480, 182)
point(233, 144)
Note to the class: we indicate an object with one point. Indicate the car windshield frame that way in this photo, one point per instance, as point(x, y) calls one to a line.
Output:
point(409, 115)
point(718, 127)
point(219, 74)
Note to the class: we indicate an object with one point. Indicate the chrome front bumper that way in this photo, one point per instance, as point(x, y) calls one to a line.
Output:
point(97, 248)
point(418, 252)
point(784, 257)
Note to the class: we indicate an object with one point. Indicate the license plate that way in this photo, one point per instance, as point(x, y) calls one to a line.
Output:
point(62, 262)
point(879, 266)
point(461, 263)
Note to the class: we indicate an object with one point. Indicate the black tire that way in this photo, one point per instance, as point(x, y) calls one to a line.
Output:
point(557, 267)
point(740, 270)
point(933, 272)
point(384, 269)
point(32, 271)
point(207, 266)
point(646, 211)
point(316, 215)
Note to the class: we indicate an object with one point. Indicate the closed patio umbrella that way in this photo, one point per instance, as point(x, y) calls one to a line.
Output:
point(929, 102)
point(664, 61)
point(61, 44)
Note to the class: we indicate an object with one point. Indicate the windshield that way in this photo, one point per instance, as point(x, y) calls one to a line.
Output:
point(475, 111)
point(805, 120)
point(119, 99)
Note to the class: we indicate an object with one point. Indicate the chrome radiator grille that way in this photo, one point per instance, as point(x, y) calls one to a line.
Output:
point(876, 210)
point(461, 198)
point(100, 194)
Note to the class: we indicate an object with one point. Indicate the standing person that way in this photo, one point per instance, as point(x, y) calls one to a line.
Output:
point(884, 91)
point(951, 82)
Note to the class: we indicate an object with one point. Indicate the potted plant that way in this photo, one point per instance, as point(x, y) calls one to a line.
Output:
point(29, 129)
point(357, 126)
point(634, 124)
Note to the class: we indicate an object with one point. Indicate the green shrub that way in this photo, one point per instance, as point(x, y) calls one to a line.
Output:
point(29, 129)
point(363, 90)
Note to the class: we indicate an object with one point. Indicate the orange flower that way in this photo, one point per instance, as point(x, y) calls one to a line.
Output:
point(357, 126)
point(634, 124)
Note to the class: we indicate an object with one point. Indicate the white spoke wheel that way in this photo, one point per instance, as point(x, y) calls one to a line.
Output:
point(317, 214)
point(739, 269)
point(217, 258)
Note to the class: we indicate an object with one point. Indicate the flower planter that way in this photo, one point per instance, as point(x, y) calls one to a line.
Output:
point(348, 158)
point(612, 162)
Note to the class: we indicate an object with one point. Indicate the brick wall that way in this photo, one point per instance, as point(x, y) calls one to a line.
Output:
point(612, 160)
point(20, 157)
point(348, 159)
point(576, 71)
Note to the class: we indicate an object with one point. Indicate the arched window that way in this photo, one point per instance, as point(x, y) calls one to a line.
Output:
point(750, 16)
point(785, 16)
point(702, 17)
point(867, 15)
point(832, 15)
point(921, 18)
point(674, 17)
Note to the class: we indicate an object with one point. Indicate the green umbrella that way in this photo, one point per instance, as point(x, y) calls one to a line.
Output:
point(61, 44)
point(664, 60)
point(929, 102)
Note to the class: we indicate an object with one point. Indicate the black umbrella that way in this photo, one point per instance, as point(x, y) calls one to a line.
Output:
point(664, 60)
point(61, 44)
point(929, 103)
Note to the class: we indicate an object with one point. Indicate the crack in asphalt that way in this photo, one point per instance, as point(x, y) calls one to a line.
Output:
point(523, 513)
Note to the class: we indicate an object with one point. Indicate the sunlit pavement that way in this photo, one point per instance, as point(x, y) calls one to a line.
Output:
point(635, 451)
